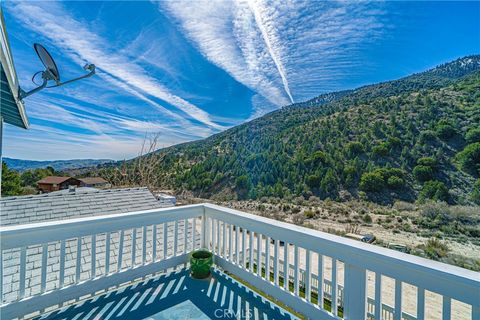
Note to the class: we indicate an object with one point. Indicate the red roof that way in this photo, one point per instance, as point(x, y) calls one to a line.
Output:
point(53, 180)
point(93, 180)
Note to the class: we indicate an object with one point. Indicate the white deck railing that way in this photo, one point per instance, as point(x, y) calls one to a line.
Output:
point(47, 264)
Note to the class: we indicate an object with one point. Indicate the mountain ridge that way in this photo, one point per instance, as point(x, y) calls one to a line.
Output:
point(58, 165)
point(406, 139)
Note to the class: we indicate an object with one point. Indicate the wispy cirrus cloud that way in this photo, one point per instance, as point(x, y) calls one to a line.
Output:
point(267, 27)
point(225, 32)
point(84, 45)
point(281, 49)
point(190, 68)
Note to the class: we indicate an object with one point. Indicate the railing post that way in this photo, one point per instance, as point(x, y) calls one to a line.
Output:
point(355, 290)
point(204, 231)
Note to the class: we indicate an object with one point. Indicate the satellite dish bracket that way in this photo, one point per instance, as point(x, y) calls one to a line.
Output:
point(89, 67)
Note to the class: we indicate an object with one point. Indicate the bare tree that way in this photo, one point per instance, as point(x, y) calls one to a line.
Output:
point(140, 171)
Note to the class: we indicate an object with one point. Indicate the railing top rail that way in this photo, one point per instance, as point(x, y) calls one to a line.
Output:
point(425, 273)
point(48, 231)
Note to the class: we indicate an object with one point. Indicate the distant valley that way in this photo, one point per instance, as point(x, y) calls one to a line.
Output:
point(58, 165)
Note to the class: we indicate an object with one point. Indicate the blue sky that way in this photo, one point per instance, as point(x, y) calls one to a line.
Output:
point(187, 70)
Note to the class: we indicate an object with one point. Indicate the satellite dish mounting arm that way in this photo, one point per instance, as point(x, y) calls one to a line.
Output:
point(51, 72)
point(45, 76)
point(90, 67)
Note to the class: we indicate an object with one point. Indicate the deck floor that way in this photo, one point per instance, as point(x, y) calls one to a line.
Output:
point(176, 296)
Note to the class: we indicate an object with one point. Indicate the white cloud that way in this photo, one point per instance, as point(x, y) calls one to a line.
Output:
point(224, 32)
point(83, 45)
point(302, 47)
point(267, 27)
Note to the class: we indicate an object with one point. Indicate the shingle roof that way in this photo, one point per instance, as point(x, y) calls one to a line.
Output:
point(92, 180)
point(59, 206)
point(53, 179)
point(67, 205)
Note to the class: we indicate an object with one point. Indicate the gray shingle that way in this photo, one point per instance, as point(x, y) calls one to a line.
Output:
point(59, 206)
point(68, 205)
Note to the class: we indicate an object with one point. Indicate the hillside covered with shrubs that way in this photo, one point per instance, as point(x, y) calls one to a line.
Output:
point(412, 139)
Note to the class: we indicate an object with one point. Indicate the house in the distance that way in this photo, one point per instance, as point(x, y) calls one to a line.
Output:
point(94, 182)
point(54, 183)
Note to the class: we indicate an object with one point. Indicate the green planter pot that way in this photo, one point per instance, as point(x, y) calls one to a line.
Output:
point(200, 263)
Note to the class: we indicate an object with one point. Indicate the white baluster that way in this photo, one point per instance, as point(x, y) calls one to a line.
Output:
point(185, 235)
point(320, 281)
point(154, 243)
point(267, 258)
point(378, 295)
point(237, 256)
point(308, 285)
point(107, 253)
point(334, 287)
point(475, 312)
point(1, 276)
point(62, 264)
point(250, 252)
point(259, 254)
point(44, 267)
point(447, 308)
point(275, 263)
point(144, 245)
point(23, 266)
point(398, 300)
point(420, 303)
point(204, 232)
point(296, 280)
point(354, 292)
point(175, 238)
point(134, 247)
point(224, 240)
point(214, 236)
point(79, 260)
point(218, 251)
point(230, 244)
point(285, 267)
point(165, 240)
point(93, 269)
point(194, 229)
point(243, 247)
point(120, 251)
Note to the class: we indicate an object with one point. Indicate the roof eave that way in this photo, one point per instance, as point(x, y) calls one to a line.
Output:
point(10, 73)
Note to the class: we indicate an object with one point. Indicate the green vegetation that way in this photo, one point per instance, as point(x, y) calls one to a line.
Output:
point(444, 130)
point(435, 190)
point(450, 220)
point(11, 183)
point(15, 183)
point(414, 138)
point(473, 135)
point(435, 249)
point(475, 196)
point(469, 159)
point(382, 178)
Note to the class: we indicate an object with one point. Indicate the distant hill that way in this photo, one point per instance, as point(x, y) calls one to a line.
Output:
point(58, 165)
point(413, 138)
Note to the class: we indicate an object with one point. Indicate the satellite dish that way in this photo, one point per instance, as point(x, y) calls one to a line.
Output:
point(47, 61)
point(51, 72)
